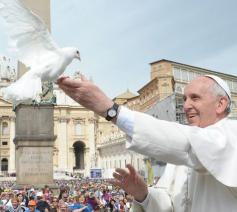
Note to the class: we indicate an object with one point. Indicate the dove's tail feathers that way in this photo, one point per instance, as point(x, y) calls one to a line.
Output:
point(27, 88)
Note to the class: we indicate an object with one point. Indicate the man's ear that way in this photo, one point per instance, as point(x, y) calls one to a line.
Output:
point(222, 105)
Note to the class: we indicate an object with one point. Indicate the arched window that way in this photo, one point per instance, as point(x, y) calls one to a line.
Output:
point(5, 128)
point(4, 164)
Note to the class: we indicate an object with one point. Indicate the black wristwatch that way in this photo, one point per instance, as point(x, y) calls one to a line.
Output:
point(112, 112)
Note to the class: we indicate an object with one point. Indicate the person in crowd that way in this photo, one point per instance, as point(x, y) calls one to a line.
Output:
point(207, 147)
point(63, 208)
point(42, 205)
point(16, 207)
point(112, 207)
point(47, 193)
point(121, 205)
point(32, 206)
point(23, 199)
point(78, 204)
point(2, 206)
point(106, 197)
point(91, 200)
point(7, 200)
point(54, 204)
point(127, 203)
point(65, 197)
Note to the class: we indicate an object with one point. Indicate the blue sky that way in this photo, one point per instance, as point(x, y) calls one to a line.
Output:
point(118, 39)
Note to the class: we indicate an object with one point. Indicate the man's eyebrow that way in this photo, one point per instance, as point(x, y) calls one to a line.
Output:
point(194, 95)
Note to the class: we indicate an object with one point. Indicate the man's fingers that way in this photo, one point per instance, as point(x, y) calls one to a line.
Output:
point(122, 172)
point(74, 83)
point(117, 176)
point(116, 183)
point(61, 78)
point(67, 90)
point(133, 173)
point(83, 78)
point(131, 169)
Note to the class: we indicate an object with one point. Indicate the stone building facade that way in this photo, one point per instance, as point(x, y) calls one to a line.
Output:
point(86, 141)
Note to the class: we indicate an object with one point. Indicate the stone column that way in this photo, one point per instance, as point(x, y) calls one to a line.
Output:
point(34, 145)
point(63, 145)
point(91, 140)
point(11, 168)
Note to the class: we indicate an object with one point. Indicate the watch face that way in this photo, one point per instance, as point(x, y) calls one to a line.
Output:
point(112, 113)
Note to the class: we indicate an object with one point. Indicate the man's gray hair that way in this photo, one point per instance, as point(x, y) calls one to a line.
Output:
point(219, 91)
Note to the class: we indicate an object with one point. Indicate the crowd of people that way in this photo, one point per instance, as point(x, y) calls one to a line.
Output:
point(67, 195)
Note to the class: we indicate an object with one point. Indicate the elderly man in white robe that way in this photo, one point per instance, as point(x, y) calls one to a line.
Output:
point(201, 175)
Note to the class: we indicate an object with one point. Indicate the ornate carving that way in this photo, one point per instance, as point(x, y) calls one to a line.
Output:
point(91, 120)
point(64, 119)
point(79, 121)
point(12, 118)
point(47, 96)
point(5, 153)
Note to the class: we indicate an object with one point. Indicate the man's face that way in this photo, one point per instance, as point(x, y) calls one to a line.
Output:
point(14, 204)
point(31, 208)
point(200, 104)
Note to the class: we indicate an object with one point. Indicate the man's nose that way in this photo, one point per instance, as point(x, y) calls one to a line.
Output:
point(187, 105)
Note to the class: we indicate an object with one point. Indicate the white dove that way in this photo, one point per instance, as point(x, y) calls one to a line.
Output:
point(31, 41)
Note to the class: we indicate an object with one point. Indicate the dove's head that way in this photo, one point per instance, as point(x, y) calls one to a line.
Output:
point(77, 54)
point(72, 52)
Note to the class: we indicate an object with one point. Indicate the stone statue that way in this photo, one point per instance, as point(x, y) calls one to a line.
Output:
point(47, 96)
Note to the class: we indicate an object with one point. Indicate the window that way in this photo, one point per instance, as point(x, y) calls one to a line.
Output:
point(179, 102)
point(180, 117)
point(230, 84)
point(176, 73)
point(78, 129)
point(184, 75)
point(4, 164)
point(192, 75)
point(165, 88)
point(5, 128)
point(178, 89)
point(4, 143)
point(235, 86)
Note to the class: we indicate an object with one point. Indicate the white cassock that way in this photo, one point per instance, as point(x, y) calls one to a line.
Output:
point(203, 177)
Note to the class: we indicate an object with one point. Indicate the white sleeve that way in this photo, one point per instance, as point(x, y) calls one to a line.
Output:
point(164, 140)
point(212, 148)
point(157, 199)
point(125, 121)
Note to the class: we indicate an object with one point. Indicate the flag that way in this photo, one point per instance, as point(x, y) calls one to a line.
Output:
point(150, 173)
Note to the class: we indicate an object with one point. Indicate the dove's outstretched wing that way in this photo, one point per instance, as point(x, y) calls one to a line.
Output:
point(29, 37)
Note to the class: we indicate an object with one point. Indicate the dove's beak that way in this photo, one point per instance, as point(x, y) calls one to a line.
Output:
point(78, 57)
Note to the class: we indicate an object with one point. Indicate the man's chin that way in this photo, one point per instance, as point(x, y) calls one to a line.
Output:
point(193, 122)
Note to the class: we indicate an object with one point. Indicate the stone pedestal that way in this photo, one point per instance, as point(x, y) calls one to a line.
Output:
point(34, 141)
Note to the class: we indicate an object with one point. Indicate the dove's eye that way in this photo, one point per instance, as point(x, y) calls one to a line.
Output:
point(77, 52)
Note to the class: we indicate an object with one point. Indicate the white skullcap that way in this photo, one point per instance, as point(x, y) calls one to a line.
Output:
point(221, 83)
